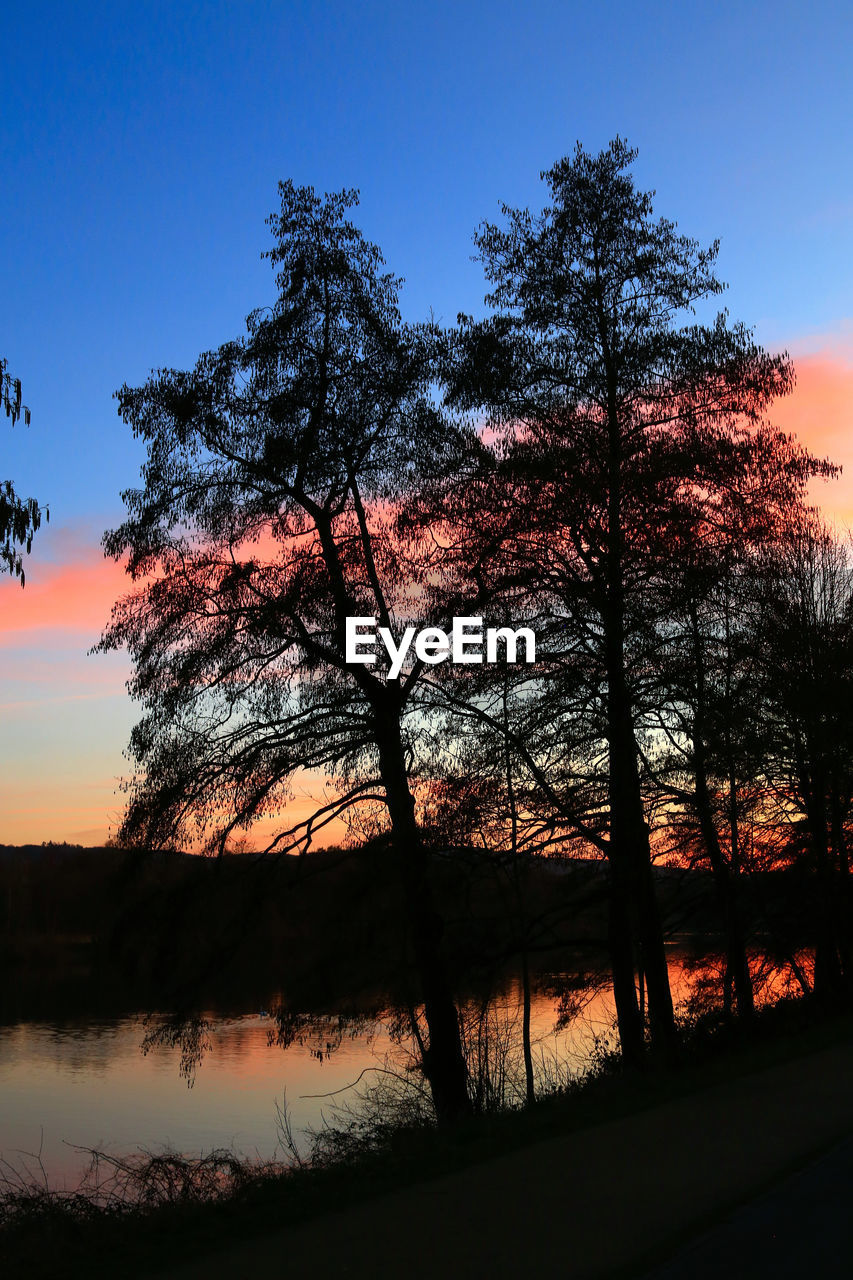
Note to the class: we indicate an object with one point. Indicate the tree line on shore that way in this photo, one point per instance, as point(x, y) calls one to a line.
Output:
point(588, 460)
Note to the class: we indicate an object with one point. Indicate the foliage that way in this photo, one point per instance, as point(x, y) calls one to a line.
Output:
point(263, 524)
point(20, 518)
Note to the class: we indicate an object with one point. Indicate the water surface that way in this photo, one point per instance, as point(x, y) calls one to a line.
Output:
point(86, 1083)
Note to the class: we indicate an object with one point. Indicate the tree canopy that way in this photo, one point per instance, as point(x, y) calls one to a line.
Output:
point(266, 521)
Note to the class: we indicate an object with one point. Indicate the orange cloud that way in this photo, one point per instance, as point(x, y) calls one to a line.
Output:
point(820, 414)
point(65, 713)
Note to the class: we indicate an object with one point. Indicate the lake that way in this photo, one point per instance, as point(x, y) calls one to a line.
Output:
point(87, 1083)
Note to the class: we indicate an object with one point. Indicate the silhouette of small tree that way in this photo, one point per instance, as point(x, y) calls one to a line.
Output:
point(20, 518)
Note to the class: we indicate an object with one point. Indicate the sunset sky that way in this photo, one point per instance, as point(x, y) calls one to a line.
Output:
point(141, 148)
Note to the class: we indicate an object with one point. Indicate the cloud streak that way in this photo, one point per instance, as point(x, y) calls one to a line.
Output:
point(74, 597)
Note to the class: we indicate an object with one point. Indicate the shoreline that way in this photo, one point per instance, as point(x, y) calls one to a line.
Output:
point(609, 1200)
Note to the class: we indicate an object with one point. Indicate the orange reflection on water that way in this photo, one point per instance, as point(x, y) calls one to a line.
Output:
point(70, 1087)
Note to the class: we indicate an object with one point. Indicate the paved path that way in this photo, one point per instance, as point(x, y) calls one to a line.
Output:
point(601, 1202)
point(801, 1229)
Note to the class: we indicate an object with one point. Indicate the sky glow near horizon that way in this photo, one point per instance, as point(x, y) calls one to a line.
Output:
point(142, 148)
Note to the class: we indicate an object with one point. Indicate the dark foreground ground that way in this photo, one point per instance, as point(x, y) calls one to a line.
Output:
point(802, 1227)
point(630, 1197)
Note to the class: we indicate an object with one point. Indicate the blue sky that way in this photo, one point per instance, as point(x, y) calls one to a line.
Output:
point(142, 145)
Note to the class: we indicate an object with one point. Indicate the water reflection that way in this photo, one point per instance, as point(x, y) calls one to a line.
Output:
point(90, 1086)
point(87, 1084)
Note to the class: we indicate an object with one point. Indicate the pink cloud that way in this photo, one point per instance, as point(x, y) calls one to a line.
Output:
point(74, 596)
point(820, 413)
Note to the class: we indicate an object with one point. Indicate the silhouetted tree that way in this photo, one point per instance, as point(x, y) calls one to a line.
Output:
point(20, 518)
point(708, 760)
point(805, 637)
point(264, 523)
point(621, 425)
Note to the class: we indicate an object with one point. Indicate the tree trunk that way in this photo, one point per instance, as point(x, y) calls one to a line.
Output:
point(631, 870)
point(632, 880)
point(725, 884)
point(530, 1085)
point(443, 1060)
point(620, 940)
point(841, 871)
point(828, 975)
